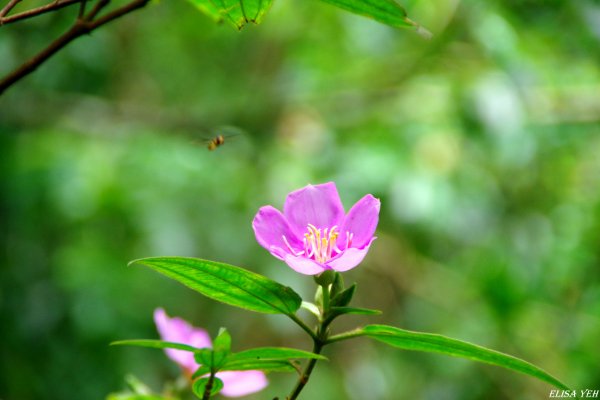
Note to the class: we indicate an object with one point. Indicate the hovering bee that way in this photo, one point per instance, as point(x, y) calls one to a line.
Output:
point(215, 142)
point(219, 140)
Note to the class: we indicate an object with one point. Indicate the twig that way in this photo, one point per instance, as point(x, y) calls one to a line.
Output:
point(8, 7)
point(79, 28)
point(53, 6)
point(303, 379)
point(81, 9)
point(99, 6)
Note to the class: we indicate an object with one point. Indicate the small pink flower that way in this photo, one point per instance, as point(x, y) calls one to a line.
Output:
point(313, 234)
point(177, 330)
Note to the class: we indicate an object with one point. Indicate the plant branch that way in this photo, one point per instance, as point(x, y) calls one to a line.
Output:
point(319, 341)
point(208, 387)
point(79, 28)
point(8, 7)
point(303, 379)
point(97, 8)
point(53, 6)
point(302, 325)
point(81, 9)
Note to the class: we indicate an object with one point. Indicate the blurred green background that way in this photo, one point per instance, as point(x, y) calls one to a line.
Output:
point(482, 143)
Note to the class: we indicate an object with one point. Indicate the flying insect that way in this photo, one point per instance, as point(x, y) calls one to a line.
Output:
point(228, 132)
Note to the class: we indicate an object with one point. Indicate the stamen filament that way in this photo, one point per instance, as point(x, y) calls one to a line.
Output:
point(320, 245)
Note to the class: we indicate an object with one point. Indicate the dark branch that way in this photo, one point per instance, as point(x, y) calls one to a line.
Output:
point(97, 8)
point(55, 5)
point(8, 7)
point(81, 9)
point(79, 28)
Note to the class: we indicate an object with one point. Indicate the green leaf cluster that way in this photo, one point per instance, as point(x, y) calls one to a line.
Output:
point(239, 287)
point(240, 12)
point(220, 358)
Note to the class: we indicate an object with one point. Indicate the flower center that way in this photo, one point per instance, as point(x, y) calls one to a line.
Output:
point(320, 244)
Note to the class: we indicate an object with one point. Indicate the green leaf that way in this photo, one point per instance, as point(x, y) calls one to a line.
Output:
point(138, 391)
point(274, 353)
point(354, 310)
point(137, 386)
point(222, 342)
point(228, 284)
point(208, 8)
point(237, 12)
point(134, 396)
point(263, 365)
point(312, 308)
point(344, 297)
point(199, 386)
point(337, 286)
point(267, 359)
point(429, 342)
point(202, 370)
point(204, 357)
point(386, 11)
point(325, 278)
point(221, 348)
point(157, 344)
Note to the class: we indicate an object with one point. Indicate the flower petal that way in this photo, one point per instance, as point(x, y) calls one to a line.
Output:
point(270, 226)
point(349, 258)
point(241, 383)
point(179, 331)
point(361, 221)
point(319, 205)
point(304, 265)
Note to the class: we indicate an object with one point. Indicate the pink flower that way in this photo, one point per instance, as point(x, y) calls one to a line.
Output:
point(313, 234)
point(177, 330)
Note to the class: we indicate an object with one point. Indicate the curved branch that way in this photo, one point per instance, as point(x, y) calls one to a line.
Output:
point(8, 7)
point(55, 5)
point(79, 28)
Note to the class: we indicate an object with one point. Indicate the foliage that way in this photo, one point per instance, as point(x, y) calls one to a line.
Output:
point(482, 144)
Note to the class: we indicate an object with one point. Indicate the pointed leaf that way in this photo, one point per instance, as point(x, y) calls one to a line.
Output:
point(267, 359)
point(337, 286)
point(236, 12)
point(199, 386)
point(344, 297)
point(228, 284)
point(429, 342)
point(274, 353)
point(388, 12)
point(221, 348)
point(201, 371)
point(354, 310)
point(325, 278)
point(157, 344)
point(312, 308)
point(263, 365)
point(204, 357)
point(208, 8)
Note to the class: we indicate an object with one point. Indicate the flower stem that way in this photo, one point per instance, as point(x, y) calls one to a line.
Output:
point(208, 387)
point(302, 325)
point(303, 379)
point(319, 341)
point(325, 298)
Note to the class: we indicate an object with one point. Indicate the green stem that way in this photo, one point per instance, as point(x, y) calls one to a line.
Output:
point(208, 387)
point(303, 379)
point(345, 336)
point(319, 341)
point(302, 325)
point(325, 298)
